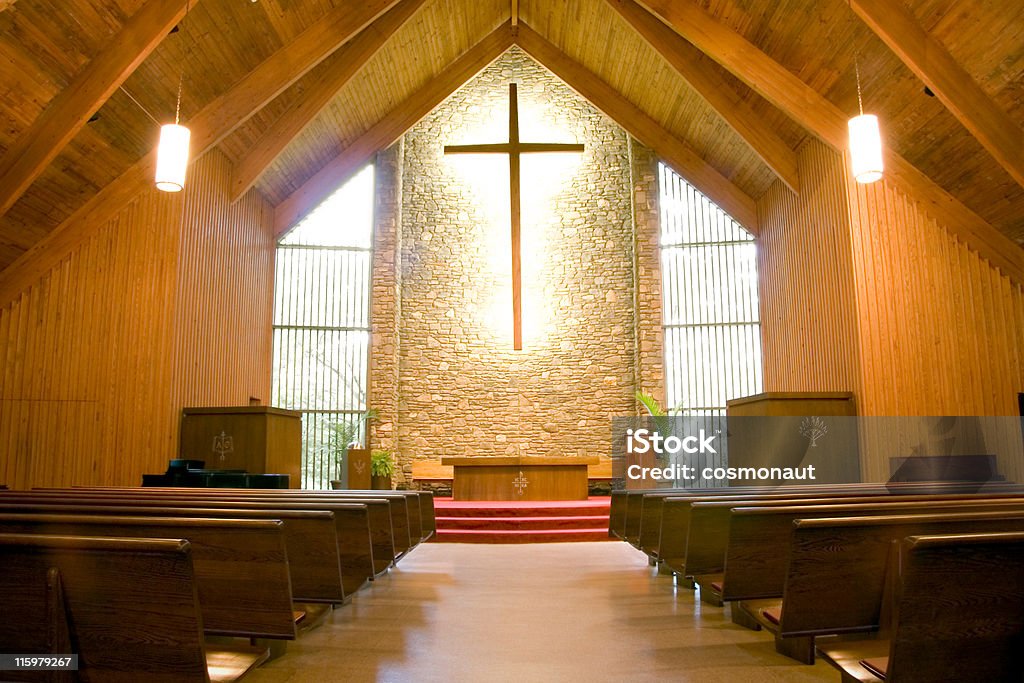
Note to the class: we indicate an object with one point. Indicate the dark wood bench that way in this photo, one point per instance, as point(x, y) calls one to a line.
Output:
point(131, 607)
point(760, 539)
point(423, 506)
point(394, 531)
point(627, 511)
point(351, 520)
point(378, 522)
point(709, 527)
point(311, 538)
point(958, 615)
point(241, 566)
point(828, 555)
point(27, 591)
point(666, 534)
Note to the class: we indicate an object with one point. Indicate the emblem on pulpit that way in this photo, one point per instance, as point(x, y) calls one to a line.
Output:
point(520, 482)
point(812, 429)
point(222, 445)
point(359, 465)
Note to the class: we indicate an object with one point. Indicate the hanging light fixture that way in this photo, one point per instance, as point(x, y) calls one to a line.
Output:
point(865, 142)
point(172, 152)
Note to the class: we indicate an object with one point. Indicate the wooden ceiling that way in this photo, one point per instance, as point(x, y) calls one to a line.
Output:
point(273, 84)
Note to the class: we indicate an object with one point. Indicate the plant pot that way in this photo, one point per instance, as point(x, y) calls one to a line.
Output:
point(380, 483)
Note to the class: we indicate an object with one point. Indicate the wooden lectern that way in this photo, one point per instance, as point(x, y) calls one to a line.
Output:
point(257, 439)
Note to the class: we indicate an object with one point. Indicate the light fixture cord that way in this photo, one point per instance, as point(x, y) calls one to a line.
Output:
point(181, 77)
point(856, 70)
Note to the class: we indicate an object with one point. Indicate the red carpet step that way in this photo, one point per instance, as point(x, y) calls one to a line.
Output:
point(522, 522)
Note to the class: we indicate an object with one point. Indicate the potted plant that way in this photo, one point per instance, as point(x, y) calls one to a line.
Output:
point(382, 466)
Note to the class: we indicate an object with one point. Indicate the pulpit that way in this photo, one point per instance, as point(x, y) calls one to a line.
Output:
point(256, 439)
point(519, 477)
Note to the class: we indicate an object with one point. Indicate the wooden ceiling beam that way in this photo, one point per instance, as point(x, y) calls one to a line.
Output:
point(963, 97)
point(71, 109)
point(345, 64)
point(279, 71)
point(724, 99)
point(382, 134)
point(672, 151)
point(211, 125)
point(810, 109)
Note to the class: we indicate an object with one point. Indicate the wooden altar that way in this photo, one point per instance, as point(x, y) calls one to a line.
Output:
point(519, 477)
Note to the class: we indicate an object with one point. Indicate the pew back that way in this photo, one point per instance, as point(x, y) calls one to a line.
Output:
point(241, 566)
point(960, 609)
point(311, 539)
point(712, 523)
point(131, 603)
point(36, 620)
point(828, 555)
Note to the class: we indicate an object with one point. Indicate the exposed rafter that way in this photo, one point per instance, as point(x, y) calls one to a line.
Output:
point(278, 72)
point(211, 125)
point(316, 95)
point(809, 108)
point(673, 151)
point(71, 109)
point(991, 126)
point(764, 142)
point(400, 119)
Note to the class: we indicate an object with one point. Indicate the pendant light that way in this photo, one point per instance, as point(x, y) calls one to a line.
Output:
point(172, 152)
point(865, 142)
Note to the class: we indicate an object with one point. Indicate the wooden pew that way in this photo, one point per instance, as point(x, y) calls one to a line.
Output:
point(664, 532)
point(374, 519)
point(423, 506)
point(828, 555)
point(131, 606)
point(241, 566)
point(958, 615)
point(708, 528)
point(311, 538)
point(378, 510)
point(756, 561)
point(631, 504)
point(390, 520)
point(352, 525)
point(405, 519)
point(25, 590)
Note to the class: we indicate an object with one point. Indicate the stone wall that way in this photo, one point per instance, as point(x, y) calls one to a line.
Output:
point(443, 373)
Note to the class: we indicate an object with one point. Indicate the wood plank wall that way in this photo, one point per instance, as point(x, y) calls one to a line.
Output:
point(100, 354)
point(941, 330)
point(863, 291)
point(808, 309)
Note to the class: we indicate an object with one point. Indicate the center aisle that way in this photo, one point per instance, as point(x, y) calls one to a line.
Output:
point(533, 612)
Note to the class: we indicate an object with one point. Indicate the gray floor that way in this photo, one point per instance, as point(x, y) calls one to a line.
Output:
point(540, 612)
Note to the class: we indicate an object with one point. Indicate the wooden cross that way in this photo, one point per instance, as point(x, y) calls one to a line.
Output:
point(514, 148)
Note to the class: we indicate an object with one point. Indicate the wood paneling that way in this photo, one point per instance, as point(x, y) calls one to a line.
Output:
point(167, 303)
point(808, 322)
point(862, 290)
point(941, 330)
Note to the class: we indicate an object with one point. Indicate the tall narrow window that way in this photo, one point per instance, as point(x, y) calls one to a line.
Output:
point(711, 321)
point(322, 325)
